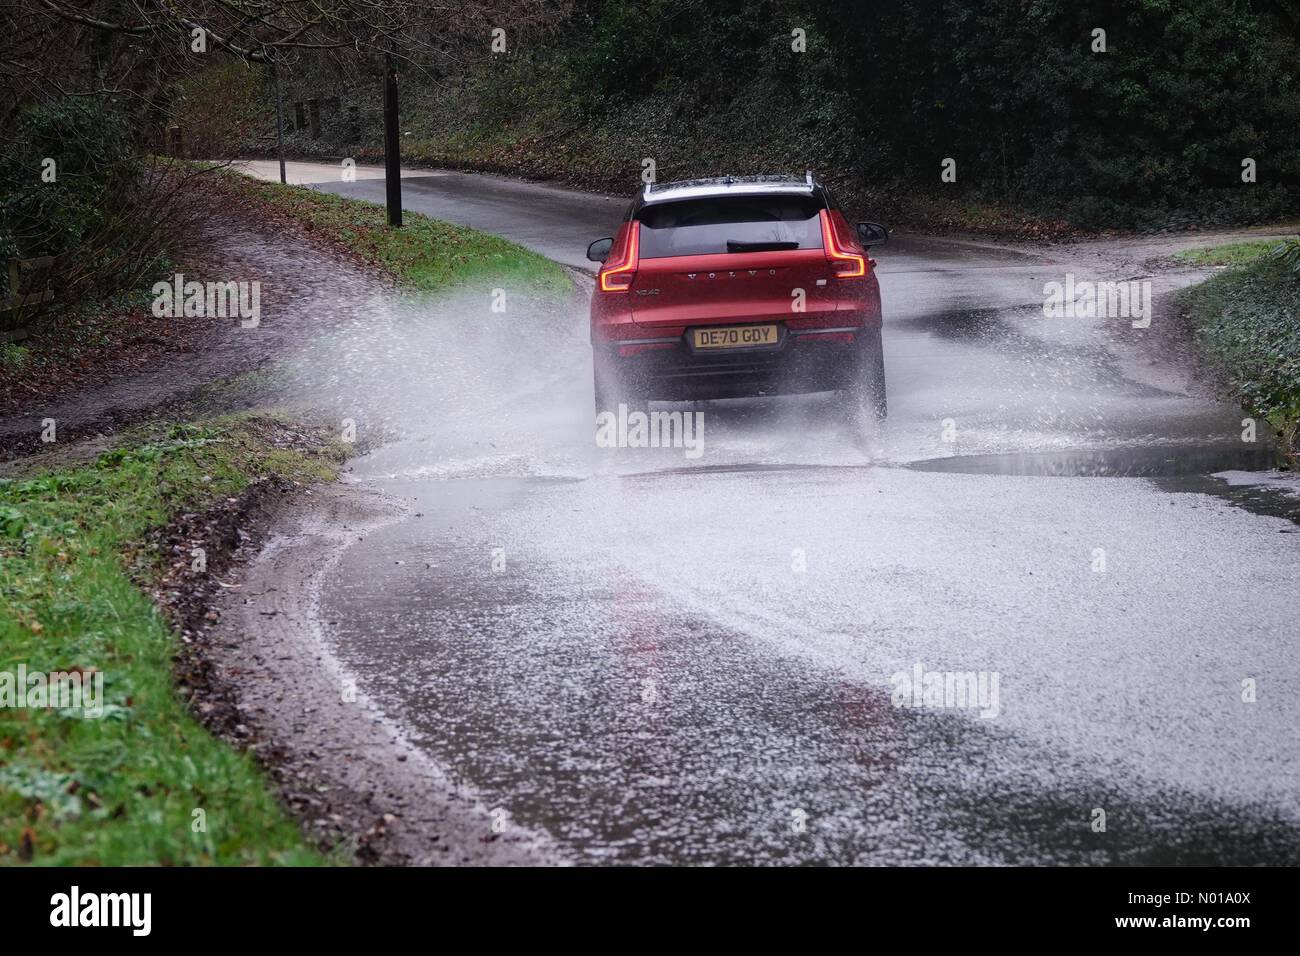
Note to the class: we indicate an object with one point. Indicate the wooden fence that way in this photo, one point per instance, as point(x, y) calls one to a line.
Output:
point(19, 306)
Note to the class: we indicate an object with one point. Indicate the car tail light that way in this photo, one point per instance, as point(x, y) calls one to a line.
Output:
point(847, 259)
point(619, 270)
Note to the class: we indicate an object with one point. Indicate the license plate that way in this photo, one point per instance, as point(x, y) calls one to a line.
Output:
point(735, 336)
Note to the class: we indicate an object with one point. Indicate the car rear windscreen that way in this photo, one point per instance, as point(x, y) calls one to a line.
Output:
point(720, 224)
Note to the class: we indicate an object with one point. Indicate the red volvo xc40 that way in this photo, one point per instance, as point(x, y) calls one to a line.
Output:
point(718, 288)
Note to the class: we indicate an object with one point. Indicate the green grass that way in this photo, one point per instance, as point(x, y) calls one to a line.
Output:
point(425, 255)
point(1236, 254)
point(121, 789)
point(13, 357)
point(1247, 326)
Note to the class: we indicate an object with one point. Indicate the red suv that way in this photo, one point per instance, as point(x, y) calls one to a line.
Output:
point(716, 288)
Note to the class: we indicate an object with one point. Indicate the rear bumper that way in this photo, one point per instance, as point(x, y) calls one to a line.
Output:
point(671, 369)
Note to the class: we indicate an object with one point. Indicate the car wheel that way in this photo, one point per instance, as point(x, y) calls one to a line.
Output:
point(868, 390)
point(608, 389)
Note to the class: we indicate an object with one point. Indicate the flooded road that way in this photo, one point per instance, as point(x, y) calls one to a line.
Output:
point(654, 658)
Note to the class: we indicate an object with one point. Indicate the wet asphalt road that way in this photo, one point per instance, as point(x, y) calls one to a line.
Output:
point(670, 660)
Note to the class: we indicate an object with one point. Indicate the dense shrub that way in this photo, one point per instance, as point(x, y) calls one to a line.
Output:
point(94, 215)
point(1149, 134)
point(1247, 323)
point(237, 106)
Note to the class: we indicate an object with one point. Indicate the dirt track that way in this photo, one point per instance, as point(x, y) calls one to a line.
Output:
point(307, 286)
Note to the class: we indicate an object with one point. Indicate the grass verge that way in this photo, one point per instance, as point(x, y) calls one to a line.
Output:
point(1246, 321)
point(76, 543)
point(1236, 254)
point(425, 255)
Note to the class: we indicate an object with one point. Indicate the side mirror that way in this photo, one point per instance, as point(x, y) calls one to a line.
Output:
point(872, 234)
point(598, 251)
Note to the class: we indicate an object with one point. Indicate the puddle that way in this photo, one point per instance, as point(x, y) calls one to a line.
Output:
point(1186, 469)
point(1261, 499)
point(735, 468)
point(1128, 462)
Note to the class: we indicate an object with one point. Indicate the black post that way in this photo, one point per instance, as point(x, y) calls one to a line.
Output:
point(279, 120)
point(392, 145)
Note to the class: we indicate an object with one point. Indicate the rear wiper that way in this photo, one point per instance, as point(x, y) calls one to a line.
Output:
point(735, 245)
